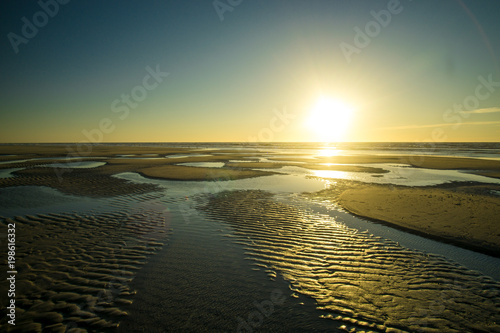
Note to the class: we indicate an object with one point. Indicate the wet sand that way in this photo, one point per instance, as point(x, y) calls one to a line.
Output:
point(77, 269)
point(259, 165)
point(346, 168)
point(178, 172)
point(491, 174)
point(489, 168)
point(98, 182)
point(215, 288)
point(363, 283)
point(74, 270)
point(455, 215)
point(461, 214)
point(310, 166)
point(86, 182)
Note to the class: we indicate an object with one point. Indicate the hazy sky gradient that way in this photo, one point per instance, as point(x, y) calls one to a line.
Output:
point(227, 78)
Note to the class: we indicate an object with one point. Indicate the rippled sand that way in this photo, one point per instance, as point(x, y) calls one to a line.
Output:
point(78, 271)
point(74, 270)
point(366, 282)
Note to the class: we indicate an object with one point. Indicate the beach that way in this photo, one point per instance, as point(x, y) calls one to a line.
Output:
point(462, 214)
point(114, 240)
point(283, 166)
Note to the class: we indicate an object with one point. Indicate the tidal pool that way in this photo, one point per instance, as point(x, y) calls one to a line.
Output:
point(76, 165)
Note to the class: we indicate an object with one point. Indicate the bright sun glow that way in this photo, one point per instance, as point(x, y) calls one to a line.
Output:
point(329, 119)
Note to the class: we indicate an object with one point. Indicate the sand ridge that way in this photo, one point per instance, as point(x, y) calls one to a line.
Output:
point(74, 270)
point(462, 214)
point(365, 283)
point(478, 166)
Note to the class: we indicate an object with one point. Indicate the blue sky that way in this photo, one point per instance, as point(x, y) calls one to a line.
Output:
point(227, 78)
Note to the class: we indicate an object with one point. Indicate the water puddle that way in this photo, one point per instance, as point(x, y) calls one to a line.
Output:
point(28, 200)
point(403, 175)
point(76, 165)
point(284, 185)
point(274, 184)
point(7, 173)
point(17, 161)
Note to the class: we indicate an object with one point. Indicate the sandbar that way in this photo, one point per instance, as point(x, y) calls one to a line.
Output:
point(179, 172)
point(462, 214)
point(484, 167)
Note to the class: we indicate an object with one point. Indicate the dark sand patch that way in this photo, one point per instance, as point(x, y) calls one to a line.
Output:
point(165, 161)
point(491, 174)
point(74, 270)
point(103, 150)
point(86, 182)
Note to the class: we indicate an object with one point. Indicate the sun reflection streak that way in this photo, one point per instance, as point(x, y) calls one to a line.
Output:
point(328, 152)
point(331, 174)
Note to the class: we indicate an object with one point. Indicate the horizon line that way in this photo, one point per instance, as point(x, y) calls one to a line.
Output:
point(239, 142)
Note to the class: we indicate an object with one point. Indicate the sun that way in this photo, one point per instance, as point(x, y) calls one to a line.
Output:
point(330, 119)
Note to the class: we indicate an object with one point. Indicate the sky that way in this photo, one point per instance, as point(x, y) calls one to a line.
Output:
point(242, 70)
